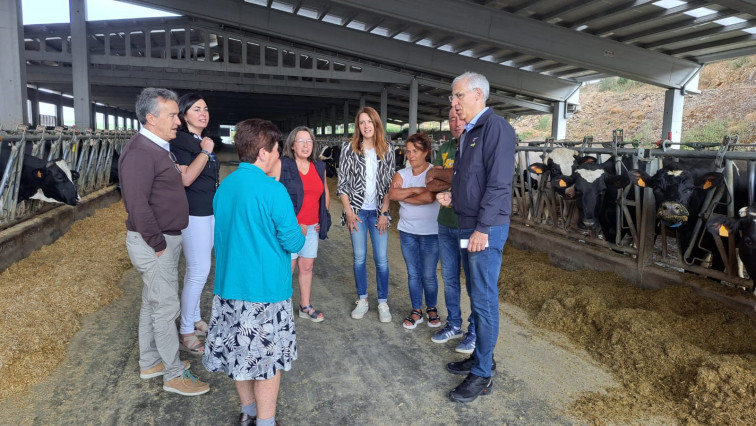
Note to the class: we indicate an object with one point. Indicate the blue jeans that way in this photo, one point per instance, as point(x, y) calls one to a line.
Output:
point(369, 220)
point(448, 241)
point(421, 256)
point(482, 271)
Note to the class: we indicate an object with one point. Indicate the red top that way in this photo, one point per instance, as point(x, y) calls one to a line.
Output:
point(313, 189)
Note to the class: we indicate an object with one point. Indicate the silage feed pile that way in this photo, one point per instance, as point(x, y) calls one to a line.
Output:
point(678, 355)
point(45, 295)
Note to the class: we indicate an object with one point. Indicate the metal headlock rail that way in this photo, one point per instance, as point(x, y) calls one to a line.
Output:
point(547, 211)
point(90, 153)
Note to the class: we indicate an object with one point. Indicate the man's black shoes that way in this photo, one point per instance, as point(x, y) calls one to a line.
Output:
point(471, 388)
point(462, 368)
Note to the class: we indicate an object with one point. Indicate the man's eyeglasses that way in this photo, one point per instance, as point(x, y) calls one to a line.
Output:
point(458, 95)
point(305, 141)
point(175, 161)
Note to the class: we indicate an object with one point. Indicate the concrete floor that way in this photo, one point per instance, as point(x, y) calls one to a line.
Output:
point(348, 371)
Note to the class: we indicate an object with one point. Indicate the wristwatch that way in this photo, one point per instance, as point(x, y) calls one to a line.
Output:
point(386, 213)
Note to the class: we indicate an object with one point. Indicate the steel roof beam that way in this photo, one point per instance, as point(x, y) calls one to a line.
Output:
point(361, 44)
point(537, 38)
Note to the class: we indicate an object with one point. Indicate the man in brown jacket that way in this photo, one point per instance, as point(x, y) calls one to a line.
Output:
point(157, 212)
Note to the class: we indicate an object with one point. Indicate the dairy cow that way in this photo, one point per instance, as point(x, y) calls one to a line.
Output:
point(330, 155)
point(595, 187)
point(680, 189)
point(744, 232)
point(52, 181)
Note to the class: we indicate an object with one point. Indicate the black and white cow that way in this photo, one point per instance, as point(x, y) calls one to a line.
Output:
point(595, 187)
point(399, 157)
point(744, 232)
point(52, 181)
point(680, 189)
point(558, 162)
point(330, 155)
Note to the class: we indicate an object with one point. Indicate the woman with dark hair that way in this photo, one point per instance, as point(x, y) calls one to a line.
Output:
point(418, 230)
point(366, 167)
point(252, 338)
point(304, 178)
point(199, 171)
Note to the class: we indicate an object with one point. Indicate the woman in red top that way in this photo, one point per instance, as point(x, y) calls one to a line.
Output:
point(304, 177)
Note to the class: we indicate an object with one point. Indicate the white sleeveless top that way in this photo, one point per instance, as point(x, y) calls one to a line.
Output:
point(371, 174)
point(417, 219)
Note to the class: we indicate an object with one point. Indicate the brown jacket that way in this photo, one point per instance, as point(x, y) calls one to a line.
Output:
point(152, 191)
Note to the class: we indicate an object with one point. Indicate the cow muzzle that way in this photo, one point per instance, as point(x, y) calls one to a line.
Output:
point(672, 214)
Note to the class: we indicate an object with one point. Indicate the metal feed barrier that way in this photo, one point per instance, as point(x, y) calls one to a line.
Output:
point(548, 212)
point(89, 153)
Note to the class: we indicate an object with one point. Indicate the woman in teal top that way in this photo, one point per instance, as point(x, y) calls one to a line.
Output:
point(251, 336)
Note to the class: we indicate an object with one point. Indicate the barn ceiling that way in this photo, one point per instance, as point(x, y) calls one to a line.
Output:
point(534, 52)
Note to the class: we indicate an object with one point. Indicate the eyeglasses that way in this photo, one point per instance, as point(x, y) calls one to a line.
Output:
point(305, 141)
point(175, 161)
point(458, 95)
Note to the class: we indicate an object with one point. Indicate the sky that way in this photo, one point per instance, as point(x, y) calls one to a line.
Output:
point(56, 11)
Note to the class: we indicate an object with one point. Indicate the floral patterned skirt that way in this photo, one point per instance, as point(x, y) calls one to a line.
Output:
point(249, 340)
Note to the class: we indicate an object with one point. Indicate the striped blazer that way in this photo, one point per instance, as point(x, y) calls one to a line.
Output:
point(352, 177)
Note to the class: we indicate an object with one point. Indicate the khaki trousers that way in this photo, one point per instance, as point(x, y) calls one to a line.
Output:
point(158, 335)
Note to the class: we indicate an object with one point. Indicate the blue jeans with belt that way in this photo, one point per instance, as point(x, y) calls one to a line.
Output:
point(369, 220)
point(482, 272)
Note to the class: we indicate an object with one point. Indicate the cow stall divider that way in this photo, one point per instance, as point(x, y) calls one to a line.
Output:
point(639, 236)
point(90, 153)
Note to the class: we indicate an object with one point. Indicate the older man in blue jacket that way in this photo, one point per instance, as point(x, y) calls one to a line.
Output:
point(482, 199)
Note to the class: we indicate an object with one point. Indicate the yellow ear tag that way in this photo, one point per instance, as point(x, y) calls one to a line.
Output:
point(538, 170)
point(707, 184)
point(641, 182)
point(39, 174)
point(562, 183)
point(723, 231)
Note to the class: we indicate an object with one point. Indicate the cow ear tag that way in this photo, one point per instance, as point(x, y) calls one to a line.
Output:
point(641, 182)
point(723, 231)
point(562, 183)
point(39, 174)
point(538, 170)
point(707, 184)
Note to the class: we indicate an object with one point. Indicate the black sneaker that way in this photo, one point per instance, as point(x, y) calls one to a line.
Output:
point(472, 387)
point(462, 368)
point(246, 420)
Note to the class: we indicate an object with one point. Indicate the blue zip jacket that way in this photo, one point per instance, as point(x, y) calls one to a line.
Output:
point(482, 183)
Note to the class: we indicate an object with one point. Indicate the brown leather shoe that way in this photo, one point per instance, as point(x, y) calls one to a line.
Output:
point(158, 370)
point(186, 384)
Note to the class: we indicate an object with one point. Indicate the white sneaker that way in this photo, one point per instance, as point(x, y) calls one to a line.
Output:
point(359, 311)
point(383, 312)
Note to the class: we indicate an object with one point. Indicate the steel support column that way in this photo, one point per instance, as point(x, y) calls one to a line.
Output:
point(346, 118)
point(559, 121)
point(673, 115)
point(384, 108)
point(413, 107)
point(80, 64)
point(13, 95)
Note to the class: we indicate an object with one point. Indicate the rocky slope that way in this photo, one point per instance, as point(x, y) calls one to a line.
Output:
point(726, 105)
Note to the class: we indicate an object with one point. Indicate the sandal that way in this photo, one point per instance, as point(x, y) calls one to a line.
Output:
point(415, 317)
point(200, 328)
point(433, 319)
point(304, 312)
point(192, 344)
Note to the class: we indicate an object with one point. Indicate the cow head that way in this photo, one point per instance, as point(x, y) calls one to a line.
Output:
point(594, 185)
point(744, 231)
point(677, 191)
point(56, 183)
point(559, 162)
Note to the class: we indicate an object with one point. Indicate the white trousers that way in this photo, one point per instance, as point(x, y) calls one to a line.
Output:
point(198, 248)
